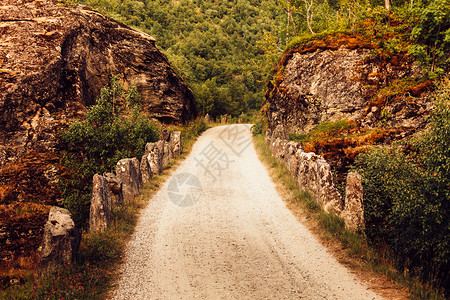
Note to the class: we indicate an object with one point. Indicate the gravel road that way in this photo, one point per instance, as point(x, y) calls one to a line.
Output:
point(218, 229)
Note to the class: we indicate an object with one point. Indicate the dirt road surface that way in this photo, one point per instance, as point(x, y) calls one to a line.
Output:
point(217, 229)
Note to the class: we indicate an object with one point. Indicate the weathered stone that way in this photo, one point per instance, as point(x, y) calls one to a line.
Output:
point(290, 157)
point(207, 119)
point(129, 175)
point(165, 153)
point(116, 189)
point(100, 212)
point(146, 171)
point(314, 175)
point(54, 61)
point(137, 167)
point(60, 242)
point(224, 119)
point(175, 142)
point(280, 132)
point(337, 84)
point(353, 212)
point(154, 157)
point(164, 135)
point(279, 148)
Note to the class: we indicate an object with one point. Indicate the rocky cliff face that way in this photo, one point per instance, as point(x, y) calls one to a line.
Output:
point(343, 77)
point(53, 62)
point(378, 96)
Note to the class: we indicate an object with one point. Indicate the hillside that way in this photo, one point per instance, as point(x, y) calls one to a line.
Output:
point(217, 46)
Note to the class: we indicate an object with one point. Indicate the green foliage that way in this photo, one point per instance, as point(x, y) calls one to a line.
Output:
point(406, 196)
point(323, 130)
point(70, 281)
point(193, 130)
point(432, 34)
point(213, 45)
point(260, 126)
point(98, 143)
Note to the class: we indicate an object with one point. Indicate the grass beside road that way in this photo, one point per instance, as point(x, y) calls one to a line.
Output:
point(351, 249)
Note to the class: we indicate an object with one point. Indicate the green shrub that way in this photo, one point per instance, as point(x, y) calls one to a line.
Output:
point(98, 143)
point(407, 196)
point(431, 33)
point(194, 129)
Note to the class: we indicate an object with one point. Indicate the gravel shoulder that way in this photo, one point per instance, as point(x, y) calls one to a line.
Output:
point(218, 229)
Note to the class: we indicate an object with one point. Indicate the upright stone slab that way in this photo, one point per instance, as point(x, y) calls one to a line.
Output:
point(100, 212)
point(224, 119)
point(116, 188)
point(60, 241)
point(146, 171)
point(207, 119)
point(353, 213)
point(175, 142)
point(314, 175)
point(154, 158)
point(164, 151)
point(137, 167)
point(127, 172)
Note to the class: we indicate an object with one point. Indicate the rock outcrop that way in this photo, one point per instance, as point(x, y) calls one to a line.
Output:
point(101, 205)
point(53, 62)
point(61, 240)
point(337, 78)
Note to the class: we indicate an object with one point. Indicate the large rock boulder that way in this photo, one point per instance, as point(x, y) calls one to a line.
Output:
point(353, 212)
point(336, 79)
point(54, 59)
point(53, 62)
point(101, 205)
point(116, 188)
point(60, 242)
point(127, 172)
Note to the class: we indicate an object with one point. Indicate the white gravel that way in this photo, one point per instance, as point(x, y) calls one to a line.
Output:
point(237, 241)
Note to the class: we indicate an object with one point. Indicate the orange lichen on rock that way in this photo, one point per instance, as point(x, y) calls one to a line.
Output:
point(21, 231)
point(16, 186)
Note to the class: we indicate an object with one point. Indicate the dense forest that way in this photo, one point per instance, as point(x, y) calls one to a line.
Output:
point(225, 50)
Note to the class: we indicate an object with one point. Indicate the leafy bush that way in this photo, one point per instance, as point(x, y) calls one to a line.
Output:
point(432, 35)
point(406, 196)
point(260, 126)
point(194, 129)
point(324, 130)
point(98, 143)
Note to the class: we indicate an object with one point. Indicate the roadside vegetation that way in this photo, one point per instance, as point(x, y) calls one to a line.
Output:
point(114, 128)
